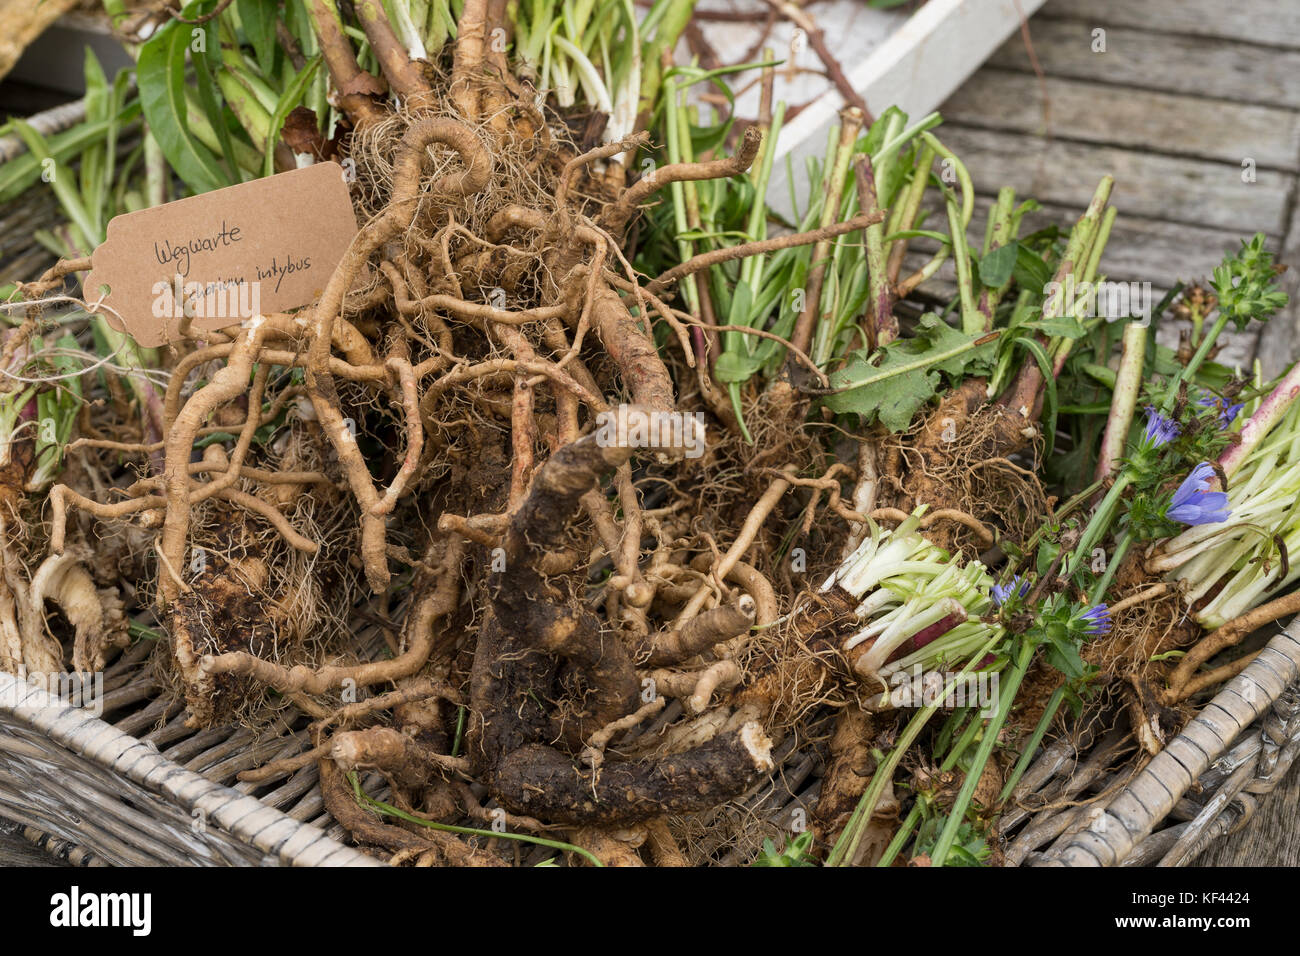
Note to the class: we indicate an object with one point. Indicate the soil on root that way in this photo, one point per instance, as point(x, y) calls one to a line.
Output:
point(962, 456)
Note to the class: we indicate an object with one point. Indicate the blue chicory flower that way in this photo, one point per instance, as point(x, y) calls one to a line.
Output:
point(1098, 618)
point(1001, 592)
point(1194, 503)
point(1227, 413)
point(1160, 430)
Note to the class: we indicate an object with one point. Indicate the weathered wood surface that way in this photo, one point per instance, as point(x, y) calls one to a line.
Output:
point(1271, 838)
point(17, 851)
point(1169, 188)
point(1280, 341)
point(23, 846)
point(1272, 23)
point(1149, 59)
point(1177, 124)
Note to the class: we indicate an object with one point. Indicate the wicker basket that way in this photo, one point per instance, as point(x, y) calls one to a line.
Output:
point(125, 800)
point(103, 795)
point(1202, 786)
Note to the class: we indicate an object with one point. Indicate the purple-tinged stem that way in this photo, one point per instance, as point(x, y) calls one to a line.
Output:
point(1268, 414)
point(938, 629)
point(881, 310)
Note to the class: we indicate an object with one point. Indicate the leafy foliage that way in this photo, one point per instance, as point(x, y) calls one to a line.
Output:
point(969, 849)
point(795, 852)
point(890, 384)
point(1245, 285)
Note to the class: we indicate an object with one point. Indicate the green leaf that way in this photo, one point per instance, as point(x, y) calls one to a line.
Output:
point(733, 367)
point(1102, 373)
point(742, 304)
point(1030, 270)
point(997, 267)
point(19, 173)
point(205, 74)
point(64, 185)
point(1061, 327)
point(161, 75)
point(1063, 654)
point(258, 20)
point(907, 373)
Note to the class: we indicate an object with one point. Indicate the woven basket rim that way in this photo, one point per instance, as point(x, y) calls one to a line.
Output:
point(243, 816)
point(1131, 815)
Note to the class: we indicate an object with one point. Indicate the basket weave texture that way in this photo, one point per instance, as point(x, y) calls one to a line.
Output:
point(90, 783)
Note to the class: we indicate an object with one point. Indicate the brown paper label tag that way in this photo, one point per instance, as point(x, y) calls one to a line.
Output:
point(264, 246)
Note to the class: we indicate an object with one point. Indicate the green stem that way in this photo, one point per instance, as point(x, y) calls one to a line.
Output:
point(963, 178)
point(972, 322)
point(906, 211)
point(672, 21)
point(1100, 521)
point(1190, 369)
point(1121, 549)
point(846, 847)
point(1091, 234)
point(914, 816)
point(1031, 747)
point(958, 813)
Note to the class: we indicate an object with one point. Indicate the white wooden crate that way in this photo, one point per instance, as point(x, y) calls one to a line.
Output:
point(891, 57)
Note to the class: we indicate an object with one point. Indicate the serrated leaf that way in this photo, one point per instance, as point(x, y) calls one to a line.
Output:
point(905, 373)
point(997, 267)
point(880, 396)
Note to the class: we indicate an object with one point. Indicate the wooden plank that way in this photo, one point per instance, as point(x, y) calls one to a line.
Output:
point(17, 850)
point(1271, 838)
point(1167, 123)
point(1168, 188)
point(1280, 340)
point(1139, 249)
point(1154, 60)
point(1266, 22)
